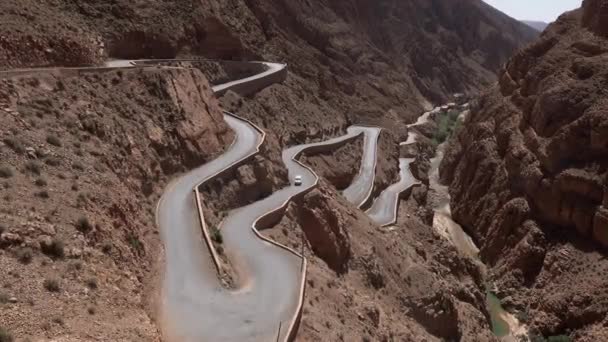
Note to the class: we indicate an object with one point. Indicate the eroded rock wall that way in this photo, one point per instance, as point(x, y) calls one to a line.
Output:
point(528, 172)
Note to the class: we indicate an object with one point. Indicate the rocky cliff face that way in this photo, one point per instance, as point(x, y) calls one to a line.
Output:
point(528, 174)
point(405, 284)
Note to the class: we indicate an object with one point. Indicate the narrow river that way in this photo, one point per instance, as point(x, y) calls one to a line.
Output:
point(504, 325)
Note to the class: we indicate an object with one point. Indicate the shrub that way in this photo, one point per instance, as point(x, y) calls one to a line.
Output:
point(43, 194)
point(445, 126)
point(559, 338)
point(54, 249)
point(75, 265)
point(40, 182)
point(40, 153)
point(3, 298)
point(78, 166)
point(53, 140)
point(81, 199)
point(92, 283)
point(25, 255)
point(522, 316)
point(60, 86)
point(2, 228)
point(91, 310)
point(84, 225)
point(16, 144)
point(216, 235)
point(134, 241)
point(53, 161)
point(52, 285)
point(6, 171)
point(106, 248)
point(33, 167)
point(5, 336)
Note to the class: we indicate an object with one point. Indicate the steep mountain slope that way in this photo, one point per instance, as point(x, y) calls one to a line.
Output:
point(86, 156)
point(528, 176)
point(380, 50)
point(539, 26)
point(83, 161)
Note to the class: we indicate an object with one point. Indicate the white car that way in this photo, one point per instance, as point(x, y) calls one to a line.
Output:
point(297, 180)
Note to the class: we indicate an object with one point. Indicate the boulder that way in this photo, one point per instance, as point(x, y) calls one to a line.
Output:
point(324, 228)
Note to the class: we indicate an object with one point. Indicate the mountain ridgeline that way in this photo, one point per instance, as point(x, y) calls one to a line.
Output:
point(440, 46)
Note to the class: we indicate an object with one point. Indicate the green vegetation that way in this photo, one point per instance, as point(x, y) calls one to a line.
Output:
point(54, 249)
point(216, 235)
point(500, 327)
point(135, 243)
point(16, 144)
point(52, 285)
point(25, 255)
point(84, 225)
point(556, 338)
point(447, 124)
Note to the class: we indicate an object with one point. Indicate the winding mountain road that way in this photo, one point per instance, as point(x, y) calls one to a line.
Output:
point(270, 277)
point(267, 301)
point(384, 209)
point(196, 306)
point(361, 188)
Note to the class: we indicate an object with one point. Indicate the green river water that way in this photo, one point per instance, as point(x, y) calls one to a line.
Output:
point(462, 241)
point(500, 328)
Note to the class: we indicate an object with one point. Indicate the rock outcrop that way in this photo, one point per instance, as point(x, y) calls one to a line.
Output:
point(340, 166)
point(528, 172)
point(325, 229)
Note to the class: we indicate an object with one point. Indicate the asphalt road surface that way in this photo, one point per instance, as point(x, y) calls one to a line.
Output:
point(361, 188)
point(384, 209)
